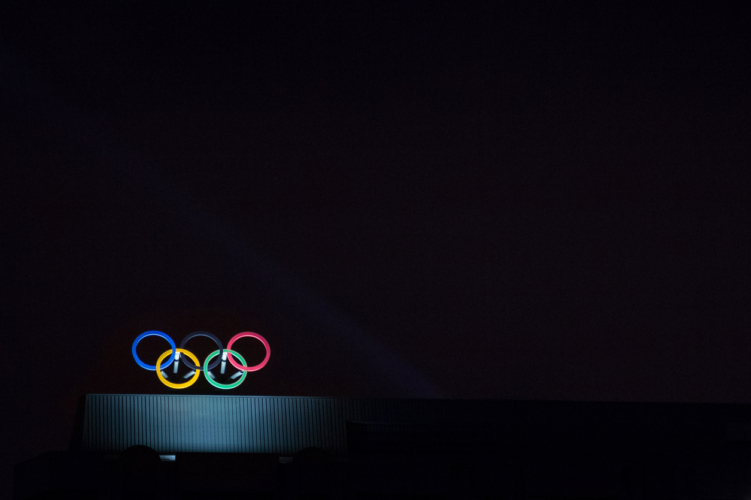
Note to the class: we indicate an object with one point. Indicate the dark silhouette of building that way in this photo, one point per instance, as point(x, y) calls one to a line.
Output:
point(147, 446)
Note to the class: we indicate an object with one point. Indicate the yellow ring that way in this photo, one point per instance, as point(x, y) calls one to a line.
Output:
point(178, 386)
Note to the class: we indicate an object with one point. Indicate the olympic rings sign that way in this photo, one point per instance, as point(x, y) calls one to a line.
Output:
point(222, 355)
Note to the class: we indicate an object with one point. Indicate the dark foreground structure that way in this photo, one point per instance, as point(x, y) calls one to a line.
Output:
point(211, 447)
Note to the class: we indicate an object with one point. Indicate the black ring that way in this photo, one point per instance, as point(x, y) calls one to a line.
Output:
point(189, 363)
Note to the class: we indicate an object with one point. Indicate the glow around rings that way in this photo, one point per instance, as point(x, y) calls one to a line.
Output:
point(234, 363)
point(155, 333)
point(217, 384)
point(183, 385)
point(191, 361)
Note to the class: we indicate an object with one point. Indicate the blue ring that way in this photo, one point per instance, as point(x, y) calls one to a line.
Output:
point(155, 333)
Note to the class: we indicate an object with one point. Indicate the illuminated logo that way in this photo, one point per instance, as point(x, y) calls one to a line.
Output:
point(222, 356)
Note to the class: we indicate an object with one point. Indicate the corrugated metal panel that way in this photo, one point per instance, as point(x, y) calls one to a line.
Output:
point(285, 425)
point(241, 424)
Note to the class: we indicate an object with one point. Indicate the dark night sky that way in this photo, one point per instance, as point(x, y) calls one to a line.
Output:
point(537, 202)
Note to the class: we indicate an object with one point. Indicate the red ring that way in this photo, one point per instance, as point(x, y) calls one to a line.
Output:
point(248, 368)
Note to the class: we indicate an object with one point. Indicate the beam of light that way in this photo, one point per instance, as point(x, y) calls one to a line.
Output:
point(22, 93)
point(177, 363)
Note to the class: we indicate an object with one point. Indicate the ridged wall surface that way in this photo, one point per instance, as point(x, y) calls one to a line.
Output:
point(285, 425)
point(243, 424)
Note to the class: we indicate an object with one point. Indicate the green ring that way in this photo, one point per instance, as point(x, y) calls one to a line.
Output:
point(217, 384)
